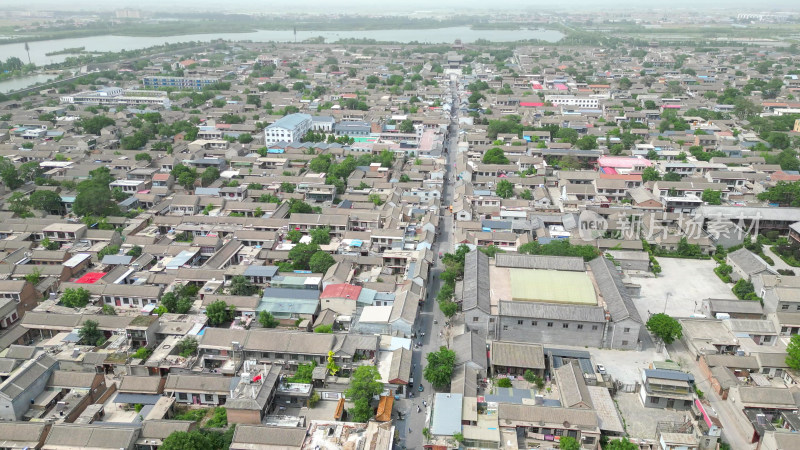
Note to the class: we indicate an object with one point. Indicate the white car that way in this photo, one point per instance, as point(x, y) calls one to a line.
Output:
point(601, 369)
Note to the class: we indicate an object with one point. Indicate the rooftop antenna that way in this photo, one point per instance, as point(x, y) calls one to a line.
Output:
point(295, 36)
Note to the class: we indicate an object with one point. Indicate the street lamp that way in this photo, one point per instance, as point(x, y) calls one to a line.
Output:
point(665, 301)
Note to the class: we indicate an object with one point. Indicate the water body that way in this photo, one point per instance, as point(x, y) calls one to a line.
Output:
point(21, 83)
point(110, 43)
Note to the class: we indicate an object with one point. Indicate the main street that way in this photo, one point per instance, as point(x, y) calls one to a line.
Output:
point(431, 320)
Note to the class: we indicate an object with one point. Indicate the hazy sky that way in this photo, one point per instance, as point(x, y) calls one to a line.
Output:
point(372, 6)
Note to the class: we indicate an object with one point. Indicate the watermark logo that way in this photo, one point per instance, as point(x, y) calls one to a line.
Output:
point(591, 226)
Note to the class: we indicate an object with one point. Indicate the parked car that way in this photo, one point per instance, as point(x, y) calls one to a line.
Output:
point(421, 388)
point(601, 369)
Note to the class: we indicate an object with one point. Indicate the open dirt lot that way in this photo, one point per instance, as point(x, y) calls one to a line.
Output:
point(682, 284)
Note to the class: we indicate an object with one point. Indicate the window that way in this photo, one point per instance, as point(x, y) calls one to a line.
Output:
point(624, 342)
point(594, 327)
point(505, 327)
point(558, 432)
point(550, 324)
point(654, 400)
point(519, 322)
point(784, 307)
point(534, 323)
point(767, 338)
point(626, 330)
point(475, 319)
point(491, 319)
point(209, 397)
point(182, 396)
point(564, 325)
point(580, 326)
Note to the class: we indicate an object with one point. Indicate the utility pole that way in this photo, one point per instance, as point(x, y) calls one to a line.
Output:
point(28, 50)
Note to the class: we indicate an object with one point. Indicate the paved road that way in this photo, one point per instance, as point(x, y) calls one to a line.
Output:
point(410, 429)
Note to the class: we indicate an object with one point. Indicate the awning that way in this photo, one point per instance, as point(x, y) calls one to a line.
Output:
point(144, 399)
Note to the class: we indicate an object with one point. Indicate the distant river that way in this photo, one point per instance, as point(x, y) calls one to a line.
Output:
point(38, 49)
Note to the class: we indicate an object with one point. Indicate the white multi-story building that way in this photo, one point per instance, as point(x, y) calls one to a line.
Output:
point(288, 129)
point(572, 100)
point(118, 96)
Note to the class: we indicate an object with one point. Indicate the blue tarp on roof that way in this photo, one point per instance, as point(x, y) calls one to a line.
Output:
point(356, 243)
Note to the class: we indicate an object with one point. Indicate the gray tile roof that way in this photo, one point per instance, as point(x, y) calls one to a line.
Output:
point(572, 386)
point(254, 436)
point(535, 310)
point(470, 348)
point(613, 291)
point(540, 262)
point(517, 354)
point(747, 261)
point(475, 287)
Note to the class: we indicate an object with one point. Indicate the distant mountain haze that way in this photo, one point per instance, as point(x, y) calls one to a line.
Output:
point(372, 7)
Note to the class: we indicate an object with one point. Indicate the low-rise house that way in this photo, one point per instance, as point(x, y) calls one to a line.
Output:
point(64, 436)
point(201, 389)
point(746, 265)
point(515, 358)
point(663, 388)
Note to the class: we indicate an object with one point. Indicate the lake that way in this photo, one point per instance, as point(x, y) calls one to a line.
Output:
point(110, 43)
point(21, 83)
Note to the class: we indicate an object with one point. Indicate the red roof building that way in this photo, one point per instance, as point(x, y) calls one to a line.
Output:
point(342, 290)
point(91, 277)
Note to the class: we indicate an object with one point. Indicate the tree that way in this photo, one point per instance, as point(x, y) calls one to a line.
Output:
point(135, 251)
point(218, 313)
point(170, 301)
point(568, 443)
point(267, 320)
point(495, 156)
point(199, 439)
point(793, 352)
point(439, 370)
point(324, 329)
point(108, 250)
point(712, 197)
point(665, 327)
point(625, 83)
point(299, 206)
point(504, 189)
point(364, 385)
point(242, 286)
point(187, 346)
point(650, 174)
point(320, 262)
point(567, 135)
point(621, 444)
point(449, 308)
point(672, 176)
point(320, 236)
point(406, 126)
point(94, 124)
point(143, 157)
point(587, 142)
point(18, 204)
point(294, 236)
point(304, 373)
point(75, 298)
point(504, 383)
point(89, 334)
point(209, 176)
point(9, 174)
point(287, 187)
point(94, 195)
point(301, 254)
